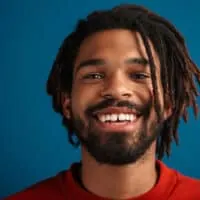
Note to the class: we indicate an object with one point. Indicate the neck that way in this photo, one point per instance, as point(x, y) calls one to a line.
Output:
point(119, 182)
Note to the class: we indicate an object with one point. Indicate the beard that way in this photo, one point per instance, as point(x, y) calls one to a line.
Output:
point(117, 148)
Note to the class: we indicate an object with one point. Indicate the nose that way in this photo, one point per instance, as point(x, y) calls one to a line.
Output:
point(117, 86)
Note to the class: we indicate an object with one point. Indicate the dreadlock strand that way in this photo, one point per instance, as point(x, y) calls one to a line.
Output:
point(152, 68)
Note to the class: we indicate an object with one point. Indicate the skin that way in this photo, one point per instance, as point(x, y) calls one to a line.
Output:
point(114, 48)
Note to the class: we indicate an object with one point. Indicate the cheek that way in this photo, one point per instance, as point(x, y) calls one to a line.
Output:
point(77, 103)
point(160, 95)
point(152, 95)
point(153, 113)
point(151, 90)
point(145, 94)
point(82, 97)
point(149, 99)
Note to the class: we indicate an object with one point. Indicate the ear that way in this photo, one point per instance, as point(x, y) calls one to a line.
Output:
point(168, 108)
point(66, 105)
point(167, 112)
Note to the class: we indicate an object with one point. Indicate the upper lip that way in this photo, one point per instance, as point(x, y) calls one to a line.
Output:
point(116, 110)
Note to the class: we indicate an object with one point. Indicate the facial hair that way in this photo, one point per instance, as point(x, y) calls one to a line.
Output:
point(117, 148)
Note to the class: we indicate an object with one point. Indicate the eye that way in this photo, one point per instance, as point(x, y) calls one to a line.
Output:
point(139, 76)
point(93, 76)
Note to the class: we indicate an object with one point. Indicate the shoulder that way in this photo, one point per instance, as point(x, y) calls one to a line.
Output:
point(187, 187)
point(50, 188)
point(176, 185)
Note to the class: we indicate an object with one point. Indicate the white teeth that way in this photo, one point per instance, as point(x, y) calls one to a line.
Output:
point(108, 117)
point(132, 117)
point(116, 117)
point(122, 117)
point(127, 117)
point(102, 118)
point(113, 117)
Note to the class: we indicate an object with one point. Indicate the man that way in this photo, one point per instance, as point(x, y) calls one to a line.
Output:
point(122, 81)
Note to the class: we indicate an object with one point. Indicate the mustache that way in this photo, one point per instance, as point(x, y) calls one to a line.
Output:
point(142, 109)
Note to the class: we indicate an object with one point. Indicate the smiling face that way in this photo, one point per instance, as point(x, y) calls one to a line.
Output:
point(111, 104)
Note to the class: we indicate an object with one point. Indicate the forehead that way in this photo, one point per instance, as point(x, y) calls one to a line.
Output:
point(115, 45)
point(112, 39)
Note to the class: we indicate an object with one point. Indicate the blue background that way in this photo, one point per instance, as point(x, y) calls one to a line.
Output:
point(33, 143)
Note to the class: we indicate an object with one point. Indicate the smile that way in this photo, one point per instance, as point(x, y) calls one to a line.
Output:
point(117, 122)
point(113, 117)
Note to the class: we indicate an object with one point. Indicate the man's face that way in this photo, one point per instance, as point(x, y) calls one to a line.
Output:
point(111, 103)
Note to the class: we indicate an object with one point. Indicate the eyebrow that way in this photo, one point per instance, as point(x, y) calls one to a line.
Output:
point(100, 62)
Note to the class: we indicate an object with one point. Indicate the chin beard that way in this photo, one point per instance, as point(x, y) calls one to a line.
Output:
point(116, 148)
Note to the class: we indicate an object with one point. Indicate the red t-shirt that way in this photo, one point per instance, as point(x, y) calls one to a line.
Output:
point(171, 186)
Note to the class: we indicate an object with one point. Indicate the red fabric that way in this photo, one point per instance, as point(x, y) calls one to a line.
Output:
point(171, 186)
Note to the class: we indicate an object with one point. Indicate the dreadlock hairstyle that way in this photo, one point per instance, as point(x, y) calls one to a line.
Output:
point(179, 74)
